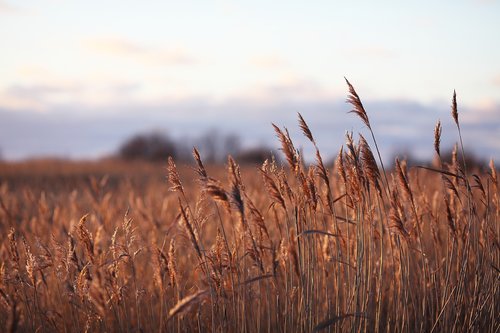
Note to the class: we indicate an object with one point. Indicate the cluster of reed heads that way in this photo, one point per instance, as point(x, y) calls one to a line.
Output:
point(282, 248)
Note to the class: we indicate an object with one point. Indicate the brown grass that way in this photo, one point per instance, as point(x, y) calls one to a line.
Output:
point(296, 248)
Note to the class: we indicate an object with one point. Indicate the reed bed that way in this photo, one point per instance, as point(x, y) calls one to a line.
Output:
point(290, 247)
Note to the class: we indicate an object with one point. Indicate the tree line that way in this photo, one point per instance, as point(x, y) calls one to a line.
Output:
point(213, 146)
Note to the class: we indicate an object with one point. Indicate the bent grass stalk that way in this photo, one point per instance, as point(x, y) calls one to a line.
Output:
point(285, 247)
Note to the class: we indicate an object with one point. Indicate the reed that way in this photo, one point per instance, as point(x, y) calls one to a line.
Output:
point(283, 248)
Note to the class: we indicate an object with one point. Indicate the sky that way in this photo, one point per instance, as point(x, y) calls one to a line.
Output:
point(79, 77)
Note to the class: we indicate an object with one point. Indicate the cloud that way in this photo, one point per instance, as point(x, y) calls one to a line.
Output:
point(8, 8)
point(144, 54)
point(32, 97)
point(80, 131)
point(37, 91)
point(38, 96)
point(484, 112)
point(33, 72)
point(269, 61)
point(288, 86)
point(496, 80)
point(44, 96)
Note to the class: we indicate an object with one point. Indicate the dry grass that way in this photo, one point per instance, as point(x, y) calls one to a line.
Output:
point(295, 248)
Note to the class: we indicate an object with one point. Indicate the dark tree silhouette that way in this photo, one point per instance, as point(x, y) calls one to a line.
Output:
point(472, 161)
point(255, 155)
point(151, 147)
point(214, 146)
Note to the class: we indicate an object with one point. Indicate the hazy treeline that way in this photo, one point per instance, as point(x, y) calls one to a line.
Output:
point(214, 147)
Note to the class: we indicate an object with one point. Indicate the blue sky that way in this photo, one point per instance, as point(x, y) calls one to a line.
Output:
point(188, 66)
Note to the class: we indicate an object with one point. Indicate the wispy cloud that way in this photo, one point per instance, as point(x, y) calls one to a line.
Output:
point(496, 80)
point(174, 55)
point(33, 72)
point(39, 97)
point(485, 113)
point(47, 95)
point(38, 91)
point(289, 87)
point(8, 8)
point(268, 61)
point(399, 125)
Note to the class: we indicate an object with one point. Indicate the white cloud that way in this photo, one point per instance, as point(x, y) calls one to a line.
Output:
point(399, 126)
point(46, 95)
point(269, 61)
point(287, 87)
point(148, 55)
point(484, 112)
point(7, 8)
point(496, 80)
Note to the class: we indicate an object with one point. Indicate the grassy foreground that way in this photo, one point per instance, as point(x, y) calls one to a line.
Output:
point(279, 248)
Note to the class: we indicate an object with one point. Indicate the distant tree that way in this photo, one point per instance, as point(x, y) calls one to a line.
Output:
point(215, 146)
point(472, 161)
point(208, 145)
point(231, 145)
point(255, 155)
point(406, 155)
point(151, 147)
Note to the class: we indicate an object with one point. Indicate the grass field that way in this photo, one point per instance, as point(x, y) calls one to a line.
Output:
point(354, 247)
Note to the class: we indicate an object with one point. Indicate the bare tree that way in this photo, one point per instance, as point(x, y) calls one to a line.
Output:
point(151, 147)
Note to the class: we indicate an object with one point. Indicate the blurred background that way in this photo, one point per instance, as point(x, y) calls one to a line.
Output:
point(90, 79)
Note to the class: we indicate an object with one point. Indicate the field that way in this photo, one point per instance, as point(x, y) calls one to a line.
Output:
point(280, 247)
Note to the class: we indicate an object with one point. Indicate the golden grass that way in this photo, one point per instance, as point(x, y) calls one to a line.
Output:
point(295, 248)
